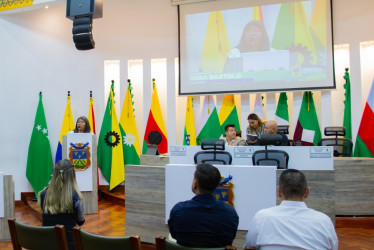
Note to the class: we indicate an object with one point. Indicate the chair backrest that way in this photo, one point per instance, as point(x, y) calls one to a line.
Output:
point(342, 146)
point(164, 244)
point(213, 157)
point(213, 152)
point(87, 241)
point(37, 237)
point(269, 157)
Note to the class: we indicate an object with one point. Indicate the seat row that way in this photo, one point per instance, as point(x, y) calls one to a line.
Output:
point(54, 238)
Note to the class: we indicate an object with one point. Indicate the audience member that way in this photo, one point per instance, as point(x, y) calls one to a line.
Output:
point(203, 221)
point(255, 129)
point(62, 202)
point(271, 127)
point(291, 225)
point(231, 138)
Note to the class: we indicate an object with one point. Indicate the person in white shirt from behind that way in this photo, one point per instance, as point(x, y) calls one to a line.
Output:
point(291, 225)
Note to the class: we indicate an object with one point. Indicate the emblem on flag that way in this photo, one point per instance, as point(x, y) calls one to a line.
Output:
point(188, 141)
point(224, 191)
point(79, 155)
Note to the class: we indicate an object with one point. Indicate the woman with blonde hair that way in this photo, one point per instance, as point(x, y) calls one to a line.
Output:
point(255, 128)
point(62, 202)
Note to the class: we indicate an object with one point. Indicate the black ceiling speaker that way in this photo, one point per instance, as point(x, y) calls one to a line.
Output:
point(82, 12)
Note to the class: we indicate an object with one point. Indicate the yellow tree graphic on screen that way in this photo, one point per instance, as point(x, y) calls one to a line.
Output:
point(318, 25)
point(216, 44)
point(292, 33)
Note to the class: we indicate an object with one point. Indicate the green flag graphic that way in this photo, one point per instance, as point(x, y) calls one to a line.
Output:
point(39, 159)
point(281, 114)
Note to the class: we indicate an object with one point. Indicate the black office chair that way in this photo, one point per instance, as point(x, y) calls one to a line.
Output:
point(154, 138)
point(214, 153)
point(284, 129)
point(342, 146)
point(271, 157)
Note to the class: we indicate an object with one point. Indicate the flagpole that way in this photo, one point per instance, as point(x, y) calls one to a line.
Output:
point(129, 87)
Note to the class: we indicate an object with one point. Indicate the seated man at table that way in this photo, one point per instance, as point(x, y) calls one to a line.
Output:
point(203, 221)
point(291, 225)
point(271, 127)
point(231, 138)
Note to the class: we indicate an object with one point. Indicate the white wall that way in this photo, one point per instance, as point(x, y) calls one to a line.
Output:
point(38, 54)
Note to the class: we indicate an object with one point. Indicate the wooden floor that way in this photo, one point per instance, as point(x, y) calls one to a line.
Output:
point(110, 221)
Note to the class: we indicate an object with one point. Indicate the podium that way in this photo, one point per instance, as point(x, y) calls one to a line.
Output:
point(6, 204)
point(81, 150)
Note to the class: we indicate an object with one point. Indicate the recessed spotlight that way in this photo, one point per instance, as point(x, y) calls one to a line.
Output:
point(46, 7)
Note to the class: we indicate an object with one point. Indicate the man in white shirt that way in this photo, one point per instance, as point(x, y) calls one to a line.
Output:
point(231, 138)
point(291, 225)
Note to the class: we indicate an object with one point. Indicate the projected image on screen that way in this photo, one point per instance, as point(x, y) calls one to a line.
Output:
point(283, 46)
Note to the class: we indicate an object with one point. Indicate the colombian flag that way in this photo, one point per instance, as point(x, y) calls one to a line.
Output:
point(189, 137)
point(91, 115)
point(155, 126)
point(67, 125)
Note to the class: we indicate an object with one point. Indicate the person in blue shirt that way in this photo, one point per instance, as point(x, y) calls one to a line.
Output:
point(203, 221)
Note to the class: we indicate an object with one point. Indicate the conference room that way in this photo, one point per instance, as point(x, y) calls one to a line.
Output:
point(170, 42)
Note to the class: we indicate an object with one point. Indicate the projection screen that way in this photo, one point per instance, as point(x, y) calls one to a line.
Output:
point(231, 46)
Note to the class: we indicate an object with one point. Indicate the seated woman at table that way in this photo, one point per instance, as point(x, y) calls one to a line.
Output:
point(255, 128)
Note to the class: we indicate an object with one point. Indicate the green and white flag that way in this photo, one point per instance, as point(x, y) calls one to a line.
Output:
point(259, 106)
point(347, 119)
point(209, 126)
point(307, 129)
point(281, 114)
point(39, 158)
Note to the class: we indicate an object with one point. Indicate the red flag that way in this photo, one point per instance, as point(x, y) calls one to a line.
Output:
point(155, 126)
point(365, 138)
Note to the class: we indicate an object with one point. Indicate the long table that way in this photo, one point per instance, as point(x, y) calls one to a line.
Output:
point(300, 157)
